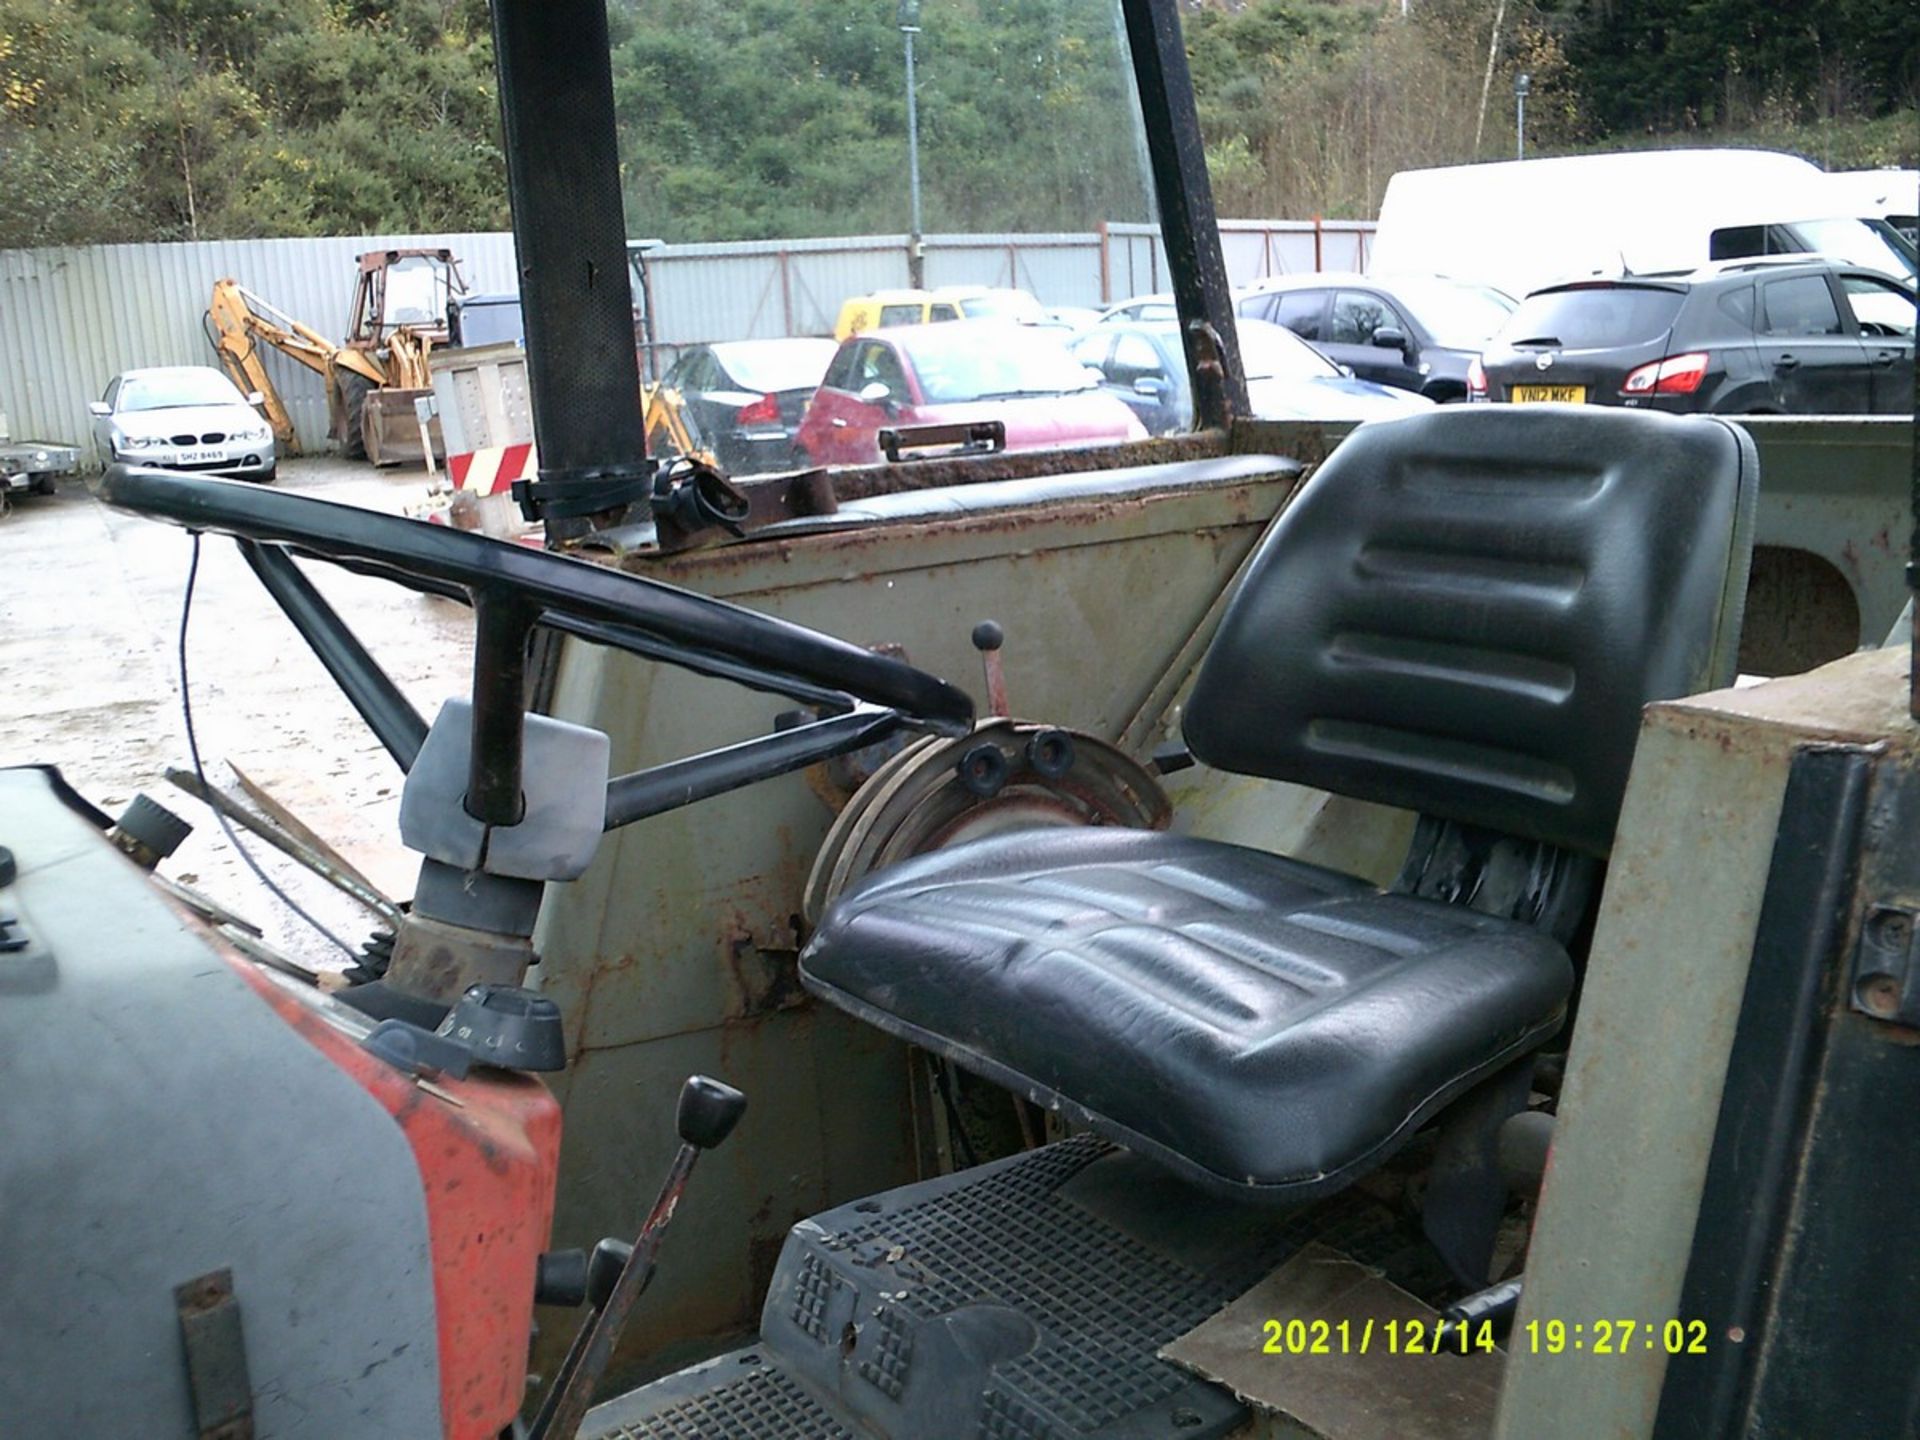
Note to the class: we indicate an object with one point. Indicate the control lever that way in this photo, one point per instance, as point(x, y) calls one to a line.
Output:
point(708, 1112)
point(988, 637)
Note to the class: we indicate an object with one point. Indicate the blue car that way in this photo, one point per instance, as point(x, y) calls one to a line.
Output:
point(1287, 379)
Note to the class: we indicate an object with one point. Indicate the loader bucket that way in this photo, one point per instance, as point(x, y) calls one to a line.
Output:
point(391, 428)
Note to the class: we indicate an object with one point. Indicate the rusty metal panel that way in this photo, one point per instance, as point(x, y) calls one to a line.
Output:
point(677, 950)
point(1661, 999)
point(72, 318)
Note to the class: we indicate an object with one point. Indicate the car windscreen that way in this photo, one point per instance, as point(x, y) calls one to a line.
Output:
point(1596, 317)
point(1270, 352)
point(776, 364)
point(957, 363)
point(1014, 305)
point(173, 389)
point(1874, 246)
point(1460, 317)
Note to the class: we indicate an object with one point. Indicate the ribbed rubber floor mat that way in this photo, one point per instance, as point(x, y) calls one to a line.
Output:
point(1024, 1300)
point(763, 1404)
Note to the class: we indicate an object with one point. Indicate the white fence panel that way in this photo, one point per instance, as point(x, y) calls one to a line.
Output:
point(70, 319)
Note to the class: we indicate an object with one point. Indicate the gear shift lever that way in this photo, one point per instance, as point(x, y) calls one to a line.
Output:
point(708, 1112)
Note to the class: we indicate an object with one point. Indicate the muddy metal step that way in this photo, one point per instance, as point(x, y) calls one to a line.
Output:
point(1023, 1300)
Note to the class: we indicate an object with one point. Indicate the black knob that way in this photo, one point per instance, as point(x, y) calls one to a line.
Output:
point(609, 1258)
point(1050, 753)
point(988, 635)
point(983, 770)
point(507, 1027)
point(148, 826)
point(560, 1278)
point(708, 1111)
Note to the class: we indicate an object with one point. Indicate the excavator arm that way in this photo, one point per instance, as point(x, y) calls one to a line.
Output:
point(239, 322)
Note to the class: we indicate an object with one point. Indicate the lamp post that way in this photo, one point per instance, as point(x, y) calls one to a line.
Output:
point(1521, 84)
point(916, 263)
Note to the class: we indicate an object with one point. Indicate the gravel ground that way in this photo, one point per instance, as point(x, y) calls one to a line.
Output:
point(89, 628)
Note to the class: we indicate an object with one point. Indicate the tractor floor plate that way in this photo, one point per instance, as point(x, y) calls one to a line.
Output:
point(1026, 1299)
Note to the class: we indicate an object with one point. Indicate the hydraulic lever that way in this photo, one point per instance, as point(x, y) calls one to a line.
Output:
point(708, 1112)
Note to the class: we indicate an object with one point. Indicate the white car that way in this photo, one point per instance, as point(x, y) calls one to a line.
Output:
point(183, 417)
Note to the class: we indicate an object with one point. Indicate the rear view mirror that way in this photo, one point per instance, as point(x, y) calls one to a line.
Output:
point(1388, 338)
point(875, 392)
point(1151, 386)
point(254, 397)
point(98, 407)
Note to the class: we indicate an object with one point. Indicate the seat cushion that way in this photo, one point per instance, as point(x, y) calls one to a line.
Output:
point(1263, 1026)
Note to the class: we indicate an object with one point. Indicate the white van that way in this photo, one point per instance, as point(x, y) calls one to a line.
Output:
point(1521, 224)
point(1889, 195)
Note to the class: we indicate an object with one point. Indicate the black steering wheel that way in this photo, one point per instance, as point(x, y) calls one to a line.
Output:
point(514, 588)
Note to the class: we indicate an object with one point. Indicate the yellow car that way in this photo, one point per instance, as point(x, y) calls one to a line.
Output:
point(885, 308)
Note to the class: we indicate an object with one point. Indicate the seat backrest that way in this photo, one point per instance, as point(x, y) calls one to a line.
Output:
point(1463, 612)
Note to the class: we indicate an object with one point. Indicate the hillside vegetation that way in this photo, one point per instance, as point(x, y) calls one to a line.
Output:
point(742, 119)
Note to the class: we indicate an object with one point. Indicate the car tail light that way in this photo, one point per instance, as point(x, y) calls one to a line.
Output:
point(1476, 379)
point(1675, 375)
point(764, 411)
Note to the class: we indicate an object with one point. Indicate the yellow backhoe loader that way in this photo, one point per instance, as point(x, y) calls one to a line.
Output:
point(372, 380)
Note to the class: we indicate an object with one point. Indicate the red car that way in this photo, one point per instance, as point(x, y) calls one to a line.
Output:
point(956, 373)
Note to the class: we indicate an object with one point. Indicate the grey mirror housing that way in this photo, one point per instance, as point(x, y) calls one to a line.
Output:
point(98, 407)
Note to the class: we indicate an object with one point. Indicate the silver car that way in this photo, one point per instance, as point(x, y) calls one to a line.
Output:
point(183, 417)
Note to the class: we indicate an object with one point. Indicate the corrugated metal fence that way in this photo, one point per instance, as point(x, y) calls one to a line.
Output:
point(70, 319)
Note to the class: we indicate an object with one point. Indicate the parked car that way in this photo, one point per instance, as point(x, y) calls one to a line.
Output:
point(183, 417)
point(1141, 307)
point(955, 374)
point(743, 399)
point(886, 308)
point(1806, 337)
point(1287, 379)
point(1414, 333)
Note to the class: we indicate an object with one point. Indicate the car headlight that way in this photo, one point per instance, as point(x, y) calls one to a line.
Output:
point(257, 435)
point(139, 442)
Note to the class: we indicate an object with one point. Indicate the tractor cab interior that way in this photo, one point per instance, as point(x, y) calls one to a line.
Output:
point(1144, 896)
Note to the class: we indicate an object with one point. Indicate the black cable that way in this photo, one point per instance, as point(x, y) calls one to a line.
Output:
point(199, 771)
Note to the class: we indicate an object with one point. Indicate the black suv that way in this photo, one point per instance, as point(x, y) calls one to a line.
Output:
point(1750, 337)
point(1418, 333)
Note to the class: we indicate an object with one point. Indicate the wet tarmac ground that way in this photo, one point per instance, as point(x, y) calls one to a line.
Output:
point(90, 602)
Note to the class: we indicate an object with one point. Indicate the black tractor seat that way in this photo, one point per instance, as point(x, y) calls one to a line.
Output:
point(1462, 614)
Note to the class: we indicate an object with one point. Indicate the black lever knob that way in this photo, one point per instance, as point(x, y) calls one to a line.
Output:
point(988, 635)
point(708, 1111)
point(560, 1277)
point(609, 1258)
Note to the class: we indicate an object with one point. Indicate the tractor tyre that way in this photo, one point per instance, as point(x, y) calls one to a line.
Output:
point(353, 407)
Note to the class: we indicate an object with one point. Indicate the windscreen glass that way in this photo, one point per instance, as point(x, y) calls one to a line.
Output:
point(775, 365)
point(175, 389)
point(944, 158)
point(963, 362)
point(1461, 317)
point(1876, 246)
point(416, 292)
point(1592, 319)
point(1271, 351)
